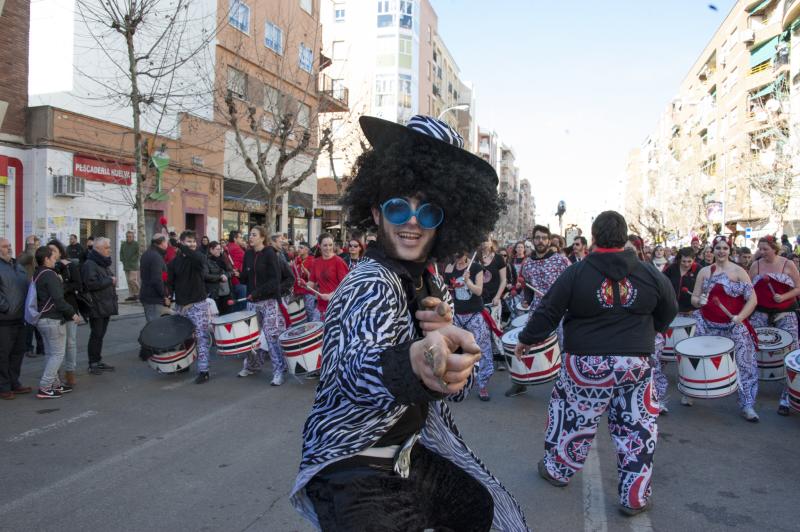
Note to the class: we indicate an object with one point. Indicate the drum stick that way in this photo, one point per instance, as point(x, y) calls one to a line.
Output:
point(471, 260)
point(771, 288)
point(723, 308)
point(537, 292)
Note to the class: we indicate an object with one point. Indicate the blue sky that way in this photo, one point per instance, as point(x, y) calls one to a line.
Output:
point(573, 86)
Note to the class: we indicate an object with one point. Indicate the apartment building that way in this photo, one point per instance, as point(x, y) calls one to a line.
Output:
point(720, 158)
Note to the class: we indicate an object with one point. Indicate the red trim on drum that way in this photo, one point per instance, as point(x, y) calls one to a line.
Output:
point(177, 356)
point(554, 369)
point(706, 381)
point(235, 351)
point(309, 349)
point(237, 340)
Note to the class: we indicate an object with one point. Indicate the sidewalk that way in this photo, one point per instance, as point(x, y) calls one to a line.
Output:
point(127, 309)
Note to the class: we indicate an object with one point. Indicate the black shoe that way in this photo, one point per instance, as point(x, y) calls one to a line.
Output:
point(783, 410)
point(65, 388)
point(202, 377)
point(95, 369)
point(545, 474)
point(516, 389)
point(48, 394)
point(630, 512)
point(104, 367)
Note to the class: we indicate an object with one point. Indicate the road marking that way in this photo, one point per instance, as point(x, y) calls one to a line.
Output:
point(594, 502)
point(178, 384)
point(52, 426)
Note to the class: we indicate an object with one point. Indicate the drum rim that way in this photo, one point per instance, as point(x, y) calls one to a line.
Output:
point(675, 322)
point(225, 318)
point(784, 335)
point(696, 339)
point(794, 357)
point(318, 325)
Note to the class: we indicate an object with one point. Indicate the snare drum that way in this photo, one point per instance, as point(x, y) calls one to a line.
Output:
point(773, 345)
point(792, 362)
point(520, 321)
point(235, 333)
point(302, 346)
point(297, 312)
point(706, 367)
point(522, 309)
point(680, 329)
point(168, 343)
point(538, 366)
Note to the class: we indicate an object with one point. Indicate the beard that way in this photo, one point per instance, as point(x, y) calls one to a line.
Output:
point(385, 239)
point(541, 249)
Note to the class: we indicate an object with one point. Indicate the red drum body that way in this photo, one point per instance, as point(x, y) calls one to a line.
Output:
point(706, 367)
point(540, 365)
point(680, 329)
point(297, 312)
point(302, 346)
point(792, 363)
point(773, 345)
point(235, 333)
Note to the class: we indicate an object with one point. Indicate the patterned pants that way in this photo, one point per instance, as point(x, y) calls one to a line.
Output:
point(272, 325)
point(745, 350)
point(588, 386)
point(310, 303)
point(198, 314)
point(786, 322)
point(660, 381)
point(475, 324)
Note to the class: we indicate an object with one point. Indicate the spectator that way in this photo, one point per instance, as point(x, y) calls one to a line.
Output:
point(218, 278)
point(74, 249)
point(236, 254)
point(203, 247)
point(579, 246)
point(13, 289)
point(153, 271)
point(659, 260)
point(54, 312)
point(129, 257)
point(745, 258)
point(89, 246)
point(101, 286)
point(70, 272)
point(172, 251)
point(28, 262)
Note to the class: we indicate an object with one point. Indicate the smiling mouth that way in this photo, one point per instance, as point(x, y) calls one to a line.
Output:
point(409, 236)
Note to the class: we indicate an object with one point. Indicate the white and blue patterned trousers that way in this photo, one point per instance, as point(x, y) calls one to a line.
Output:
point(198, 314)
point(272, 325)
point(475, 324)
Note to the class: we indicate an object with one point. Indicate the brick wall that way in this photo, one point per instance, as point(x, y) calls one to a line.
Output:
point(14, 25)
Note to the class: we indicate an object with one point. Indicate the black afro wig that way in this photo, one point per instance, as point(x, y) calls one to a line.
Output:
point(407, 168)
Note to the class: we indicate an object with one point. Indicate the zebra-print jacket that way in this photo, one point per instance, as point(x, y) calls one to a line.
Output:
point(369, 318)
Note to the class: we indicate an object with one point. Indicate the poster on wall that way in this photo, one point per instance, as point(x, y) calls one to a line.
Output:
point(212, 229)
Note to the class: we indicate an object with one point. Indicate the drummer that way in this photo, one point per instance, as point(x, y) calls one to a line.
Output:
point(301, 269)
point(776, 282)
point(265, 284)
point(724, 294)
point(464, 277)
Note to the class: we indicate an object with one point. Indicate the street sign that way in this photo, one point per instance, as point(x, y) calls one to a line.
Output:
point(748, 231)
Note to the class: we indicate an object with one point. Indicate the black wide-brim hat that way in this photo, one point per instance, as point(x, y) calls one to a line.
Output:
point(431, 132)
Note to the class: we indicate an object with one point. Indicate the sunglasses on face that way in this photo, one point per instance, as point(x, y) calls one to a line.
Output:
point(398, 211)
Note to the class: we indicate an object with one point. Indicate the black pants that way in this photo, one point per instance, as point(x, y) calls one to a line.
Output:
point(12, 351)
point(436, 495)
point(98, 328)
point(30, 332)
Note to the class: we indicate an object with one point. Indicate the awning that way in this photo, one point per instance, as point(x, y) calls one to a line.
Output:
point(764, 51)
point(764, 91)
point(764, 134)
point(760, 7)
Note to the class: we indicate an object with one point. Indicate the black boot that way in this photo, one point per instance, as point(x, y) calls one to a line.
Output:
point(202, 377)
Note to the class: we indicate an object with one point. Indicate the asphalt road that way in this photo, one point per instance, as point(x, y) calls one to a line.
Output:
point(134, 450)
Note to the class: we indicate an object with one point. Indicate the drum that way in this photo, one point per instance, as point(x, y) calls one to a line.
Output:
point(680, 329)
point(706, 367)
point(792, 363)
point(538, 366)
point(522, 309)
point(235, 333)
point(773, 345)
point(519, 321)
point(168, 344)
point(297, 312)
point(302, 346)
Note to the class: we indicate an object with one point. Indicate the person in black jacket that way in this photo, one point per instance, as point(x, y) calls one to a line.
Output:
point(267, 277)
point(74, 249)
point(54, 312)
point(218, 279)
point(612, 305)
point(70, 272)
point(13, 289)
point(682, 274)
point(100, 285)
point(153, 271)
point(186, 275)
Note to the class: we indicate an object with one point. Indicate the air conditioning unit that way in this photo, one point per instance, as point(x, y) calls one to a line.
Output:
point(748, 35)
point(68, 186)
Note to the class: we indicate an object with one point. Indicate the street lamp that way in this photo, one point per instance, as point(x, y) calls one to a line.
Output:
point(459, 107)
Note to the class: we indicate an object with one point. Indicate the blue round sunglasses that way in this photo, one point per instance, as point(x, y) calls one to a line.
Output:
point(398, 211)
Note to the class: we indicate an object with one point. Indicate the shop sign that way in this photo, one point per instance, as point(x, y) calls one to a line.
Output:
point(94, 170)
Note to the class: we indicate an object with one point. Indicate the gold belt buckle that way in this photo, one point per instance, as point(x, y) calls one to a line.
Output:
point(402, 461)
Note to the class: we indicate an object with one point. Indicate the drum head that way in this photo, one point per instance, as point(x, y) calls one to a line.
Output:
point(682, 321)
point(233, 317)
point(520, 321)
point(772, 338)
point(166, 332)
point(303, 329)
point(792, 360)
point(704, 346)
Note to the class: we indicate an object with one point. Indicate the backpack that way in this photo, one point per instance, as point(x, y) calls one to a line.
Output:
point(32, 312)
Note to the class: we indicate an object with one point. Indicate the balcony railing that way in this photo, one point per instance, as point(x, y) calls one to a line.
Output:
point(334, 98)
point(791, 10)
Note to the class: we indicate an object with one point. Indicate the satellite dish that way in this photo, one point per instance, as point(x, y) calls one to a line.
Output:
point(772, 105)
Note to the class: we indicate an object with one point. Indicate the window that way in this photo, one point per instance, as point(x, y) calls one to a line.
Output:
point(404, 52)
point(304, 116)
point(429, 34)
point(386, 51)
point(337, 88)
point(273, 38)
point(237, 83)
point(338, 12)
point(732, 117)
point(384, 91)
point(337, 50)
point(404, 92)
point(406, 14)
point(307, 5)
point(306, 57)
point(429, 104)
point(439, 72)
point(239, 16)
point(385, 17)
point(429, 70)
point(272, 108)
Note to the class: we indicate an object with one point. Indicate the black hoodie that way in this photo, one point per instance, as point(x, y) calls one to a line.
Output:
point(611, 303)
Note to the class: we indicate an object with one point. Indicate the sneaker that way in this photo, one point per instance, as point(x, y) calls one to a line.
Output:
point(65, 388)
point(686, 401)
point(630, 512)
point(95, 369)
point(483, 394)
point(104, 367)
point(202, 377)
point(545, 474)
point(783, 410)
point(48, 394)
point(663, 409)
point(516, 389)
point(500, 366)
point(277, 379)
point(749, 414)
point(8, 396)
point(245, 373)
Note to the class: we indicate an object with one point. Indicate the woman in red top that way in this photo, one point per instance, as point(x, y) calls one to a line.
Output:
point(301, 267)
point(327, 271)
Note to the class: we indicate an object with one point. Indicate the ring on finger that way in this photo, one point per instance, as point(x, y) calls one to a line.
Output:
point(444, 385)
point(429, 355)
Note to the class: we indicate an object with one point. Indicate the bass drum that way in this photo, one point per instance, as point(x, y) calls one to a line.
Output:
point(167, 344)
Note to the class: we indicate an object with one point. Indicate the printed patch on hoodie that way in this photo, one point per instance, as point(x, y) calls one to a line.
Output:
point(627, 293)
point(605, 294)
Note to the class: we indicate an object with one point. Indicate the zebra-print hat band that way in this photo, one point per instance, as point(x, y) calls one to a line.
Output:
point(435, 128)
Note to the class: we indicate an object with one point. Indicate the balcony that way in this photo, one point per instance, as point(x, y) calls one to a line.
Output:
point(791, 10)
point(333, 97)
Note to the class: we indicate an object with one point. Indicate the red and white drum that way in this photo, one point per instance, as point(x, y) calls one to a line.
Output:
point(706, 367)
point(174, 361)
point(297, 312)
point(539, 365)
point(302, 346)
point(792, 363)
point(235, 333)
point(522, 309)
point(168, 344)
point(681, 328)
point(773, 345)
point(520, 321)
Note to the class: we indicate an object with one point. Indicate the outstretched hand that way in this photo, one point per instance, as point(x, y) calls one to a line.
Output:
point(435, 361)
